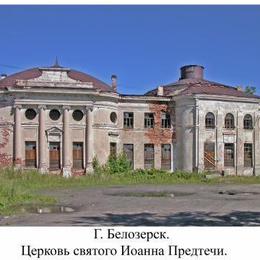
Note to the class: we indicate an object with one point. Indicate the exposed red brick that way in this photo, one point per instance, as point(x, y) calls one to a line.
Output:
point(158, 135)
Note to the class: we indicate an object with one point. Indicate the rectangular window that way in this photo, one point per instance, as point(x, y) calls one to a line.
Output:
point(229, 155)
point(128, 120)
point(129, 152)
point(77, 155)
point(148, 120)
point(248, 155)
point(30, 154)
point(166, 157)
point(113, 149)
point(148, 156)
point(166, 120)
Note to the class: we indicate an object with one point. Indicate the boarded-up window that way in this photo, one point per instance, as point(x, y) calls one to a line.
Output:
point(113, 149)
point(30, 154)
point(148, 156)
point(166, 120)
point(148, 120)
point(77, 155)
point(54, 155)
point(229, 155)
point(129, 152)
point(166, 157)
point(248, 155)
point(209, 156)
point(128, 120)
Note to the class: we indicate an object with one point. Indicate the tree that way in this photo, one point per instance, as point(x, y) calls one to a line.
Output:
point(250, 90)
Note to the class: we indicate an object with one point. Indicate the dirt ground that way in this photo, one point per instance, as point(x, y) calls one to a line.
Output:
point(149, 205)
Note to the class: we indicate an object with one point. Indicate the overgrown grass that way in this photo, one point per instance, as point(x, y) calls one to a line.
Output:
point(23, 187)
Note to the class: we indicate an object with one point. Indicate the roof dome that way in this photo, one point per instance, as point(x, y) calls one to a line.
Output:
point(34, 73)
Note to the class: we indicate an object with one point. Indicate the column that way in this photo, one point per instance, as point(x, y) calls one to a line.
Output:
point(219, 141)
point(17, 138)
point(42, 140)
point(257, 144)
point(66, 170)
point(239, 162)
point(90, 143)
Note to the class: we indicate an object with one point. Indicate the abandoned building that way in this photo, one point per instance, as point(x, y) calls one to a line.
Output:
point(57, 119)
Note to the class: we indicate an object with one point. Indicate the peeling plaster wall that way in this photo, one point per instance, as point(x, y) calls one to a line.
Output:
point(105, 131)
point(6, 132)
point(185, 134)
point(239, 134)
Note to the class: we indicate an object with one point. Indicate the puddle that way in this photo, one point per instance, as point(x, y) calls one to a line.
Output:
point(46, 209)
point(232, 193)
point(151, 194)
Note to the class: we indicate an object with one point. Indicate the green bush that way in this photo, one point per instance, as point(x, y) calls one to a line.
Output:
point(118, 164)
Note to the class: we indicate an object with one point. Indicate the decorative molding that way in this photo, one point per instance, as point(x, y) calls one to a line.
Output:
point(115, 134)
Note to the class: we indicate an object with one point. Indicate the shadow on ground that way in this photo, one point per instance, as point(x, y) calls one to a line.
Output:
point(236, 218)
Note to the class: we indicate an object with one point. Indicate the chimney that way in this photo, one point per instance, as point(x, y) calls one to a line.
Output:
point(3, 76)
point(114, 82)
point(192, 72)
point(160, 91)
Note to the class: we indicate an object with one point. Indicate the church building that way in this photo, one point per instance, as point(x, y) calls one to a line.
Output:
point(56, 119)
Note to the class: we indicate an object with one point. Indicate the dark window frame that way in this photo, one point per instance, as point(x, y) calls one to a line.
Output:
point(166, 163)
point(113, 117)
point(77, 115)
point(129, 120)
point(229, 155)
point(113, 149)
point(54, 114)
point(248, 155)
point(79, 163)
point(29, 162)
point(165, 120)
point(248, 121)
point(210, 120)
point(30, 113)
point(149, 120)
point(229, 121)
point(149, 161)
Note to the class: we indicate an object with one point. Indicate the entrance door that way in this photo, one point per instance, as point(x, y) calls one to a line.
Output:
point(209, 156)
point(78, 155)
point(30, 154)
point(54, 156)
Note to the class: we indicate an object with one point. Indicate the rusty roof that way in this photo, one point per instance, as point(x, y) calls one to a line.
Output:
point(10, 81)
point(201, 86)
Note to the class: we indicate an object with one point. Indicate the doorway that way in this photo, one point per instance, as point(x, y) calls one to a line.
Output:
point(54, 155)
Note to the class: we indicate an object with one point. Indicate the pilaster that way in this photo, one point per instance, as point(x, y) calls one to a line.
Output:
point(66, 170)
point(18, 138)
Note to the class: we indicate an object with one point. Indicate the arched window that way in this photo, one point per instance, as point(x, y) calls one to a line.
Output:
point(248, 122)
point(229, 121)
point(210, 120)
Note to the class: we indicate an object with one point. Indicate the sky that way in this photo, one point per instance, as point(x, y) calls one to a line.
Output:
point(143, 45)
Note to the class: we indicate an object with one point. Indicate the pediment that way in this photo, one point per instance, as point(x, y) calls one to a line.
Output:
point(54, 131)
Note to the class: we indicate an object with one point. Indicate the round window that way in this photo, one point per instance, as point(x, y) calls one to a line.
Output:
point(54, 114)
point(30, 114)
point(77, 115)
point(113, 117)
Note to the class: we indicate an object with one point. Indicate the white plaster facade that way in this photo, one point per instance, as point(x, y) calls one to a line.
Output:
point(187, 103)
